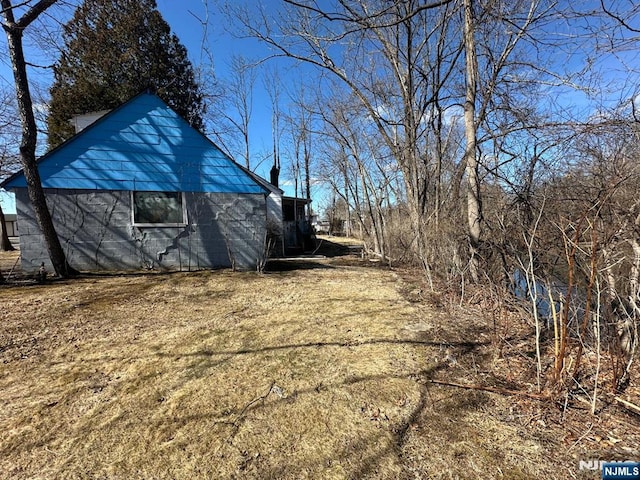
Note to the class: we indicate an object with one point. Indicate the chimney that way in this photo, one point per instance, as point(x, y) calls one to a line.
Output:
point(80, 122)
point(275, 173)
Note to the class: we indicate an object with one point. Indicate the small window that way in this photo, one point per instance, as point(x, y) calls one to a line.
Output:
point(157, 208)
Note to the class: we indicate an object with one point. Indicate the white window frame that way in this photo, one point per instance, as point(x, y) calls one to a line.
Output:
point(158, 225)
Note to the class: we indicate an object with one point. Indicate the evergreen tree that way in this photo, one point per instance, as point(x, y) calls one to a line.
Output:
point(113, 50)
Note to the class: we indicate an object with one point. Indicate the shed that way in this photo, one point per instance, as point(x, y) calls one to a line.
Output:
point(140, 188)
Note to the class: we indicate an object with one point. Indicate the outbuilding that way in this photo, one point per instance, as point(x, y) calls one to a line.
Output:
point(140, 188)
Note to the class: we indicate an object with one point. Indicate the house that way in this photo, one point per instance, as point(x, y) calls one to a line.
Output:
point(140, 188)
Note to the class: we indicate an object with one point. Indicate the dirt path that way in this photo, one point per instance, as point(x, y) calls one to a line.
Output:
point(319, 372)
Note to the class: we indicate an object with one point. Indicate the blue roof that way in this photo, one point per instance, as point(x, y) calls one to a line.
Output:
point(143, 145)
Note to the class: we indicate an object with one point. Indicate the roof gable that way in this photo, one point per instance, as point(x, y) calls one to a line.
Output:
point(143, 145)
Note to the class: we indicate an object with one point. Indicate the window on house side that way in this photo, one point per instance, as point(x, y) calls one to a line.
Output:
point(158, 208)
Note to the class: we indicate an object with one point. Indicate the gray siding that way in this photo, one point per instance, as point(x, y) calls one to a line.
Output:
point(96, 231)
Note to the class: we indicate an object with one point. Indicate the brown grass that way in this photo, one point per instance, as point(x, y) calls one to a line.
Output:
point(319, 372)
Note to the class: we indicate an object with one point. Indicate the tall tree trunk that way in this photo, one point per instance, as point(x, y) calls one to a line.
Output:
point(348, 231)
point(474, 206)
point(5, 243)
point(4, 236)
point(14, 31)
point(307, 175)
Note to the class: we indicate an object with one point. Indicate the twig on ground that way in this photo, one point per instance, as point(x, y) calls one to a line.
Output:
point(502, 391)
point(631, 406)
point(254, 401)
point(240, 416)
point(582, 437)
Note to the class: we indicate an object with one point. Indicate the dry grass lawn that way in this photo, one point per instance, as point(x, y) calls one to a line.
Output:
point(318, 372)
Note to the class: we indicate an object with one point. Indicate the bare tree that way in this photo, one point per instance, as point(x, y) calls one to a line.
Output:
point(9, 132)
point(474, 206)
point(273, 85)
point(14, 30)
point(411, 65)
point(357, 171)
point(384, 55)
point(236, 108)
point(301, 129)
